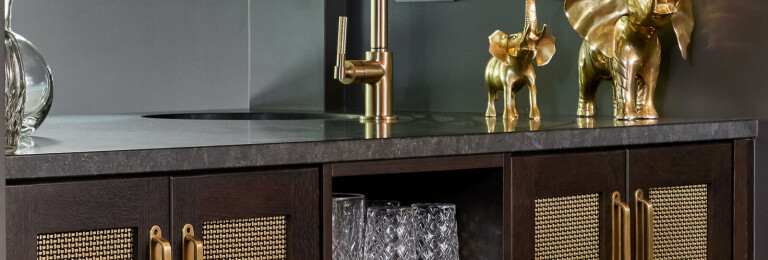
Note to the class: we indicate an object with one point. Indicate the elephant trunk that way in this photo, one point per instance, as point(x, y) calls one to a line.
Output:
point(8, 14)
point(530, 16)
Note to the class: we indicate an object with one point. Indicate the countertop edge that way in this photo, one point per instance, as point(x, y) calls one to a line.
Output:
point(108, 163)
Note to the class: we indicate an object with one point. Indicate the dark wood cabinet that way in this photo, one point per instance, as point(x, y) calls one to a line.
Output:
point(86, 219)
point(237, 215)
point(270, 214)
point(691, 190)
point(550, 205)
point(561, 204)
point(558, 198)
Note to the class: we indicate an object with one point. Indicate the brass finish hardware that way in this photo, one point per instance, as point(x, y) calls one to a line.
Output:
point(375, 71)
point(159, 247)
point(511, 67)
point(620, 228)
point(377, 129)
point(192, 245)
point(643, 227)
point(621, 43)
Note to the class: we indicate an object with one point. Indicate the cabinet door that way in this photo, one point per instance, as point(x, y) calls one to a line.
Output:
point(691, 190)
point(561, 204)
point(270, 215)
point(107, 219)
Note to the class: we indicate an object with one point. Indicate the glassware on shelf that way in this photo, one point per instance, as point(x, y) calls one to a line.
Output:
point(436, 232)
point(382, 203)
point(29, 85)
point(389, 233)
point(348, 226)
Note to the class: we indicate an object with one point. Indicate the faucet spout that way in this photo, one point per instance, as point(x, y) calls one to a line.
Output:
point(375, 71)
point(379, 24)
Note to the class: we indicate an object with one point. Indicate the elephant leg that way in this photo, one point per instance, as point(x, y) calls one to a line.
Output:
point(624, 74)
point(587, 92)
point(645, 108)
point(648, 111)
point(534, 114)
point(492, 97)
point(646, 90)
point(510, 111)
point(588, 82)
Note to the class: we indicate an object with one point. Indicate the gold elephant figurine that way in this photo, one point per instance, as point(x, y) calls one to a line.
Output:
point(511, 66)
point(621, 43)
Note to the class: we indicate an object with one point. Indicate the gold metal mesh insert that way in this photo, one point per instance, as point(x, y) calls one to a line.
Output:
point(255, 238)
point(568, 227)
point(97, 244)
point(679, 222)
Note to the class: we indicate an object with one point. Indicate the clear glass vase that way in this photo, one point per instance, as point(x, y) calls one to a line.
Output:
point(29, 85)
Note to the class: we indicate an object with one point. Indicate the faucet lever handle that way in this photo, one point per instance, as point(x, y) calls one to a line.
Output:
point(341, 49)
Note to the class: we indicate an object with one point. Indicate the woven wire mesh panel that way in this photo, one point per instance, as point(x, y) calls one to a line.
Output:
point(96, 244)
point(254, 238)
point(568, 227)
point(679, 222)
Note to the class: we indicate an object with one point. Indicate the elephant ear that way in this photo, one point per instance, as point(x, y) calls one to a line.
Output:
point(498, 46)
point(546, 48)
point(682, 21)
point(595, 21)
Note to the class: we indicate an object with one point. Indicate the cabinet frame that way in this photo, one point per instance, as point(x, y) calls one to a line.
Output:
point(85, 205)
point(691, 164)
point(291, 192)
point(743, 199)
point(562, 174)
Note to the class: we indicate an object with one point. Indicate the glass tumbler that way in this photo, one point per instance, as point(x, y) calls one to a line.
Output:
point(436, 234)
point(389, 233)
point(382, 203)
point(348, 226)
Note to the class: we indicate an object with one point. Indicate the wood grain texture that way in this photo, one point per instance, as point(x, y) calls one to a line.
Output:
point(508, 208)
point(743, 199)
point(682, 165)
point(87, 205)
point(418, 165)
point(557, 175)
point(327, 211)
point(293, 193)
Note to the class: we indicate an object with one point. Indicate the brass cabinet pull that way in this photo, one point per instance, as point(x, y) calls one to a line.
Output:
point(192, 245)
point(620, 226)
point(643, 227)
point(159, 248)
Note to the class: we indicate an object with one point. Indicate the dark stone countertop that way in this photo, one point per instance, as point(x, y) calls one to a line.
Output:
point(77, 146)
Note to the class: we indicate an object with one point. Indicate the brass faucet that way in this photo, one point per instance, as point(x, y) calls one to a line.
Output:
point(375, 71)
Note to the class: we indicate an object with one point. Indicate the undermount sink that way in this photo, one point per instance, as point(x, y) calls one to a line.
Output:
point(255, 116)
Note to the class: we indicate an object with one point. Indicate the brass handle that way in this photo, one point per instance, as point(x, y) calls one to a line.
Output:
point(339, 71)
point(159, 248)
point(192, 245)
point(620, 228)
point(643, 227)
